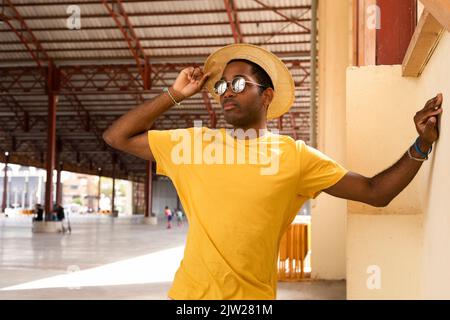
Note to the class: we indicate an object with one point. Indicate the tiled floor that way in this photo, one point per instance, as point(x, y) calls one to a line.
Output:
point(105, 258)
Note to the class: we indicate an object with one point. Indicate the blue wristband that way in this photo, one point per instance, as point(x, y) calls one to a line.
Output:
point(416, 146)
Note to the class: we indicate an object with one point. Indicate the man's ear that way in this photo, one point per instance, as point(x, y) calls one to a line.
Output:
point(268, 96)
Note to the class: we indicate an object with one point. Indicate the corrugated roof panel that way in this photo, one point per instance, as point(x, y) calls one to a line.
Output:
point(62, 23)
point(179, 19)
point(187, 51)
point(93, 45)
point(185, 31)
point(271, 3)
point(167, 6)
point(60, 10)
point(272, 28)
point(187, 42)
point(7, 36)
point(15, 55)
point(90, 54)
point(271, 15)
point(277, 38)
point(68, 35)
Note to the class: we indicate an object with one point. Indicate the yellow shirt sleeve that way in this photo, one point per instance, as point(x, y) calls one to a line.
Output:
point(317, 171)
point(162, 143)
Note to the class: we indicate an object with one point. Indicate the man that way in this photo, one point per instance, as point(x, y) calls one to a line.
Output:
point(229, 254)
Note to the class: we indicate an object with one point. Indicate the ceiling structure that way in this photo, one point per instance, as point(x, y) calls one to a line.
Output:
point(102, 58)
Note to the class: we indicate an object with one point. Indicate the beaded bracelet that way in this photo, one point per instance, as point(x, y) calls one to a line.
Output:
point(424, 155)
point(170, 94)
point(414, 158)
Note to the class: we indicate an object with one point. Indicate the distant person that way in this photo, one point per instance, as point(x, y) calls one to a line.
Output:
point(179, 215)
point(168, 214)
point(60, 212)
point(39, 212)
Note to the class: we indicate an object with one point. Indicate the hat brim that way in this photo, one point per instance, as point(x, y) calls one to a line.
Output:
point(284, 88)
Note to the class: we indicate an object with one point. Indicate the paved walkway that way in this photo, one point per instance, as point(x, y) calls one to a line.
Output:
point(106, 258)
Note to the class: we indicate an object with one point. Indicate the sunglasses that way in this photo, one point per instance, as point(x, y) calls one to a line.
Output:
point(237, 85)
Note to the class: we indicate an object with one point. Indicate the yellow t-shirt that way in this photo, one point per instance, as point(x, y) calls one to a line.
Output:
point(237, 208)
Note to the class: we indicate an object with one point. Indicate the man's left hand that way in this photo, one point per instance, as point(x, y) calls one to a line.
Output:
point(426, 120)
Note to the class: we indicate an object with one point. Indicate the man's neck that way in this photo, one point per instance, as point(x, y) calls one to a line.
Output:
point(251, 132)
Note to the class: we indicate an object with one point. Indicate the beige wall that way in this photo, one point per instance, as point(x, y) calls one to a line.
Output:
point(393, 245)
point(435, 183)
point(409, 239)
point(328, 213)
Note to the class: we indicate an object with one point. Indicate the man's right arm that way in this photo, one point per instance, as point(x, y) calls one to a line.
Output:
point(129, 132)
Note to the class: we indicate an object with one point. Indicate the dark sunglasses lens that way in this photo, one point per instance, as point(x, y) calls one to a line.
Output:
point(238, 84)
point(220, 87)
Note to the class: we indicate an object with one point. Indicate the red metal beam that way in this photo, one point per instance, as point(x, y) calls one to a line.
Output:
point(398, 22)
point(17, 78)
point(20, 114)
point(120, 16)
point(14, 20)
point(58, 184)
point(276, 10)
point(234, 22)
point(50, 162)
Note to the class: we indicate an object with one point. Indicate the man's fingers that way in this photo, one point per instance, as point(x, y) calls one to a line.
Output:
point(203, 79)
point(431, 112)
point(435, 102)
point(438, 102)
point(188, 71)
point(197, 74)
point(431, 121)
point(429, 104)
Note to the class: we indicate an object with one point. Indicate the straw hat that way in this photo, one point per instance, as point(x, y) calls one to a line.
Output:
point(281, 78)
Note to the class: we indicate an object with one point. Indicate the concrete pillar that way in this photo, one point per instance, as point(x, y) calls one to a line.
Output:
point(328, 226)
point(5, 182)
point(99, 188)
point(137, 195)
point(148, 190)
point(52, 91)
point(113, 184)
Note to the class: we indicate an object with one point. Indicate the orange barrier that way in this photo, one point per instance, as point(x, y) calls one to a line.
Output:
point(293, 250)
point(27, 212)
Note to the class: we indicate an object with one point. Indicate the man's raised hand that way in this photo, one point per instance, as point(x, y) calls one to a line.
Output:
point(190, 81)
point(426, 120)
